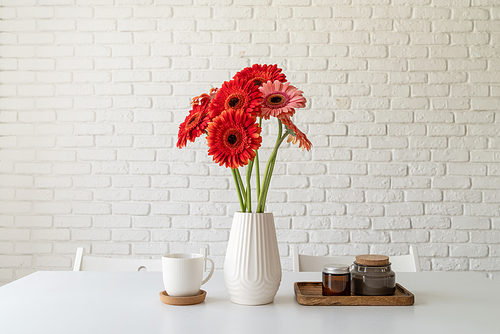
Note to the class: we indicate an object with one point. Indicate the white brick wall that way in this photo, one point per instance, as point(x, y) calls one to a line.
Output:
point(403, 112)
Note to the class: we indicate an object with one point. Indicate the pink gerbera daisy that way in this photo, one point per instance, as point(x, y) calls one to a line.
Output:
point(280, 98)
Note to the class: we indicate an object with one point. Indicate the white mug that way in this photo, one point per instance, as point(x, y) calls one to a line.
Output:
point(183, 273)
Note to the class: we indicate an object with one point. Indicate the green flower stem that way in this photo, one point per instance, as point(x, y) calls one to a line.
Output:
point(257, 172)
point(265, 190)
point(267, 181)
point(260, 205)
point(249, 188)
point(240, 183)
point(238, 190)
point(257, 167)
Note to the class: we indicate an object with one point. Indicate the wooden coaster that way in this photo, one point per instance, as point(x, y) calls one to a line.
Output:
point(372, 260)
point(183, 301)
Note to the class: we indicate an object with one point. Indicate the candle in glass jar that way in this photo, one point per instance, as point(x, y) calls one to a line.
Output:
point(336, 280)
point(372, 276)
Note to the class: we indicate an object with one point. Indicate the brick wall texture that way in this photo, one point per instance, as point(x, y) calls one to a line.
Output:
point(403, 112)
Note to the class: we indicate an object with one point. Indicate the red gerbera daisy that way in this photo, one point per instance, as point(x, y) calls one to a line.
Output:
point(194, 125)
point(233, 138)
point(259, 74)
point(297, 135)
point(235, 95)
point(204, 98)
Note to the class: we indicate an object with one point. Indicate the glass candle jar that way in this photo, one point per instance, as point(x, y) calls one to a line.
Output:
point(372, 276)
point(336, 280)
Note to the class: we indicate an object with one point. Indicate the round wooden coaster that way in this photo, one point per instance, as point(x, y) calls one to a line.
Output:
point(183, 301)
point(372, 260)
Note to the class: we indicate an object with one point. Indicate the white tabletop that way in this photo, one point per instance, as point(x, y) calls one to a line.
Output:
point(128, 302)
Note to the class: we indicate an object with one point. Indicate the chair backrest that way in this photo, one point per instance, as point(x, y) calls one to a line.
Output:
point(96, 263)
point(400, 263)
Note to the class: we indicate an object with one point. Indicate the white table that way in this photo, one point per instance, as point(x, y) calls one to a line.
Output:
point(128, 302)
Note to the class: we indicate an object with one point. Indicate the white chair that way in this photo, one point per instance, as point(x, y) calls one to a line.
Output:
point(97, 263)
point(400, 263)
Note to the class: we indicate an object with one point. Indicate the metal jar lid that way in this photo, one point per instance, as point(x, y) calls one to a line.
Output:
point(336, 269)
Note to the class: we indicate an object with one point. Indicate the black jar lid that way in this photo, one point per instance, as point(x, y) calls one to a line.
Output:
point(336, 269)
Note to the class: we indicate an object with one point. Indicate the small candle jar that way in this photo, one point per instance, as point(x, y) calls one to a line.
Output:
point(336, 280)
point(372, 276)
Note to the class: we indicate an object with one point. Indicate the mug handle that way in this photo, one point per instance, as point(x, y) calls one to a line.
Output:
point(211, 271)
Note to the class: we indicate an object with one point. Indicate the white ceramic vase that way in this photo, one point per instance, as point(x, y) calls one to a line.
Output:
point(252, 268)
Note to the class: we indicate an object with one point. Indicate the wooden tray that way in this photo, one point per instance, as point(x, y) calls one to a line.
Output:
point(183, 301)
point(310, 293)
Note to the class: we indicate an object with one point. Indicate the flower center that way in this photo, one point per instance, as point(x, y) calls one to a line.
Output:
point(235, 101)
point(275, 100)
point(258, 81)
point(233, 138)
point(193, 121)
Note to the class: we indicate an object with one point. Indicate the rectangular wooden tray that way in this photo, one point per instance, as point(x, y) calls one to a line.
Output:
point(310, 293)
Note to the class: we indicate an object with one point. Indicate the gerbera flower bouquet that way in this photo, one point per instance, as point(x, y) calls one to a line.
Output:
point(231, 118)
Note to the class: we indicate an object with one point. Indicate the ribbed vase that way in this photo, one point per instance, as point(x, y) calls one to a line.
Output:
point(252, 268)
